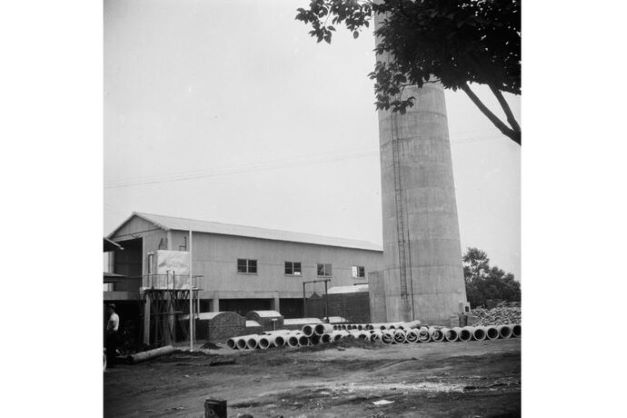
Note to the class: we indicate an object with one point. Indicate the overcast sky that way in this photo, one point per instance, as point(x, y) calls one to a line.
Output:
point(228, 111)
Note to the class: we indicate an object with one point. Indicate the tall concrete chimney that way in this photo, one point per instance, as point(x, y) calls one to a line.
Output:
point(423, 275)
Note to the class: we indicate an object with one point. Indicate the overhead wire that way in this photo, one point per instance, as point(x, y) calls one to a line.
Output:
point(287, 162)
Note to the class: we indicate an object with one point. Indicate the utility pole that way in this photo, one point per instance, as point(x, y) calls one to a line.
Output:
point(191, 296)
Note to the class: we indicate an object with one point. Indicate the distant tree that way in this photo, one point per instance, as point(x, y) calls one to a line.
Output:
point(455, 42)
point(485, 283)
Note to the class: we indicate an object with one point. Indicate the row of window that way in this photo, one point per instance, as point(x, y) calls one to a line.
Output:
point(294, 268)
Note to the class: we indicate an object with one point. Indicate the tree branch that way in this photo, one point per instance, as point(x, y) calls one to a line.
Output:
point(507, 131)
point(508, 112)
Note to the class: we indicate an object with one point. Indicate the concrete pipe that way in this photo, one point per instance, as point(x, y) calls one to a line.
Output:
point(436, 335)
point(505, 331)
point(321, 329)
point(325, 338)
point(479, 333)
point(451, 334)
point(516, 331)
point(336, 336)
point(423, 335)
point(241, 341)
point(407, 325)
point(362, 335)
point(375, 336)
point(264, 343)
point(231, 343)
point(292, 341)
point(252, 342)
point(411, 336)
point(400, 336)
point(491, 332)
point(412, 324)
point(465, 333)
point(387, 337)
point(314, 339)
point(308, 330)
point(280, 340)
point(150, 354)
point(303, 340)
point(241, 344)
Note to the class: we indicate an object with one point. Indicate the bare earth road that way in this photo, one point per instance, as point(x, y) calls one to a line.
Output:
point(473, 379)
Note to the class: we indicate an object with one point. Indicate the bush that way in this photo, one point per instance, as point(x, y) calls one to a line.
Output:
point(485, 283)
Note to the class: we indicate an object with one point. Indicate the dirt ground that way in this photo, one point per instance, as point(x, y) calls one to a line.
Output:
point(473, 379)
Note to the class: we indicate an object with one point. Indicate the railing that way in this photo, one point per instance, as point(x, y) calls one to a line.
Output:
point(170, 281)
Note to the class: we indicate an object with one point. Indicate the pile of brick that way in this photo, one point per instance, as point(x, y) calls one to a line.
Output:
point(221, 325)
point(496, 316)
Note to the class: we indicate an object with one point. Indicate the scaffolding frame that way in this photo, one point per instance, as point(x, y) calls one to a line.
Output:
point(162, 306)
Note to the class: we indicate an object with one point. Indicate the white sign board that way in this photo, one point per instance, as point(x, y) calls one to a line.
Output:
point(170, 270)
point(175, 262)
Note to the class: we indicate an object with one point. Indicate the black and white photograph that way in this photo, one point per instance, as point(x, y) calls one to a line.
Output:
point(312, 208)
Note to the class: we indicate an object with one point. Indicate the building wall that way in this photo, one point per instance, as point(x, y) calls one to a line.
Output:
point(354, 307)
point(215, 258)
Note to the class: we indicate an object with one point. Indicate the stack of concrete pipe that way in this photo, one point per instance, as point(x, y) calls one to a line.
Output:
point(388, 333)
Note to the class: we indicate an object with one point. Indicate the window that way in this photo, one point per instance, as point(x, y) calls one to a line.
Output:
point(246, 266)
point(293, 268)
point(359, 271)
point(184, 246)
point(324, 270)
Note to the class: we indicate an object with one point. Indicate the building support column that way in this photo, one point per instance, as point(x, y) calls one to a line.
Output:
point(146, 336)
point(276, 304)
point(215, 303)
point(168, 320)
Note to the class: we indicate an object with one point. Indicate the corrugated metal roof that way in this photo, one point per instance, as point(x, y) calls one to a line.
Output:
point(182, 224)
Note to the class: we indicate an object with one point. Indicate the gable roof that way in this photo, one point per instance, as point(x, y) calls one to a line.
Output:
point(170, 223)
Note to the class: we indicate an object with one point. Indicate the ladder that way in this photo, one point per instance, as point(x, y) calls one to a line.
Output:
point(404, 256)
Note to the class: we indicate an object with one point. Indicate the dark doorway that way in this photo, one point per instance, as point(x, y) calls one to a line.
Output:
point(291, 308)
point(243, 306)
point(129, 260)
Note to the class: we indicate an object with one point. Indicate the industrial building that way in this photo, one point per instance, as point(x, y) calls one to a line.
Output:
point(236, 268)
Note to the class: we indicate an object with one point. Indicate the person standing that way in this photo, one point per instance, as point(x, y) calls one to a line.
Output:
point(111, 334)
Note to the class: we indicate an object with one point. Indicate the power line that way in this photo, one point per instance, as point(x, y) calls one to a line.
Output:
point(273, 165)
point(287, 162)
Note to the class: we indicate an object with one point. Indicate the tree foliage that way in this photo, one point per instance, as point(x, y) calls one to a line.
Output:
point(455, 42)
point(485, 283)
